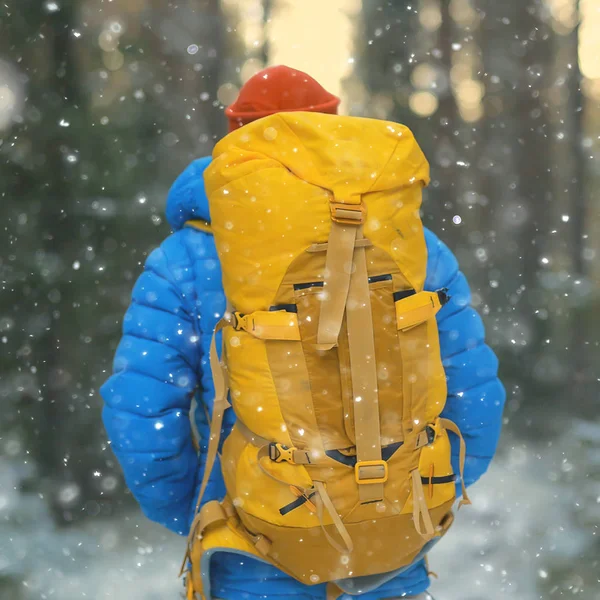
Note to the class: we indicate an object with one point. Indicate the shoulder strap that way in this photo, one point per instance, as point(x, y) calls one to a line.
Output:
point(220, 404)
point(200, 224)
point(370, 469)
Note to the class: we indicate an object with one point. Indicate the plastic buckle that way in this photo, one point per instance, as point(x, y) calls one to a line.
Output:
point(443, 296)
point(370, 463)
point(280, 453)
point(237, 319)
point(243, 322)
point(348, 214)
point(430, 434)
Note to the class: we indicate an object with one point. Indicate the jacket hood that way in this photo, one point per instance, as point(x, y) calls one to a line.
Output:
point(187, 197)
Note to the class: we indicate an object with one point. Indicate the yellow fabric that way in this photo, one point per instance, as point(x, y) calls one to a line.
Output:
point(221, 533)
point(436, 375)
point(325, 374)
point(279, 189)
point(264, 487)
point(437, 454)
point(270, 186)
point(269, 325)
point(253, 394)
point(416, 309)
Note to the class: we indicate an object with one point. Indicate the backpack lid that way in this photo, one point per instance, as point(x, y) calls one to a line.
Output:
point(274, 184)
point(349, 156)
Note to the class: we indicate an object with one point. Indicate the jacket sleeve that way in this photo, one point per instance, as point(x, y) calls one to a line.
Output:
point(148, 397)
point(475, 394)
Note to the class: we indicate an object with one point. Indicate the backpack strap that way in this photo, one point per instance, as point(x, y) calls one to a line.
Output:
point(453, 427)
point(220, 404)
point(269, 324)
point(324, 501)
point(345, 222)
point(420, 509)
point(347, 290)
point(334, 592)
point(371, 470)
point(200, 224)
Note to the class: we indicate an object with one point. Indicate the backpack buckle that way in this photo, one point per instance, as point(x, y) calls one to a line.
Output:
point(426, 437)
point(430, 434)
point(348, 214)
point(443, 296)
point(236, 319)
point(280, 453)
point(371, 471)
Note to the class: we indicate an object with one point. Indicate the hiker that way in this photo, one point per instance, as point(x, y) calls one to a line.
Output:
point(357, 370)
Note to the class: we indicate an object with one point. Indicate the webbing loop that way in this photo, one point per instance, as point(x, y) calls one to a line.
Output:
point(453, 427)
point(348, 214)
point(324, 501)
point(269, 324)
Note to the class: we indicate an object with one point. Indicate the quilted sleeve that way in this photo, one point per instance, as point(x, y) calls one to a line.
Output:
point(475, 394)
point(148, 397)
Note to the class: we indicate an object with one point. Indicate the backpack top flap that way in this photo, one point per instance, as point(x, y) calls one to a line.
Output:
point(272, 182)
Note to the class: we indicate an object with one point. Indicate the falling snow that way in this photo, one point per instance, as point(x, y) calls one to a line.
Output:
point(102, 107)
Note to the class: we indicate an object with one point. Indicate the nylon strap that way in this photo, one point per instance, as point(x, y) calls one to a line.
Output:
point(362, 243)
point(338, 264)
point(364, 376)
point(334, 591)
point(429, 571)
point(420, 509)
point(220, 404)
point(212, 512)
point(298, 457)
point(323, 500)
point(264, 453)
point(250, 436)
point(262, 544)
point(200, 225)
point(269, 325)
point(453, 427)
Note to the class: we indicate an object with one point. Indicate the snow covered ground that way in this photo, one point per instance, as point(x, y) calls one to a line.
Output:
point(532, 534)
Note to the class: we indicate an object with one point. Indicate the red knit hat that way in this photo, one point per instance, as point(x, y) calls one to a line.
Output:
point(279, 89)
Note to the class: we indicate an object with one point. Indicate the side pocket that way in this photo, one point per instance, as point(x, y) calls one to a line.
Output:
point(262, 492)
point(324, 371)
point(435, 468)
point(389, 361)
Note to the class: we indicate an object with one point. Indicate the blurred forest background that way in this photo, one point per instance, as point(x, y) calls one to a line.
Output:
point(104, 102)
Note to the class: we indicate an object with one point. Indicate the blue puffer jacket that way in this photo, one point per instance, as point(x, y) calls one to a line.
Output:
point(162, 361)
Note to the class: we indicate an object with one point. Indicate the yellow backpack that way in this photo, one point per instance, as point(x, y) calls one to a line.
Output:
point(338, 467)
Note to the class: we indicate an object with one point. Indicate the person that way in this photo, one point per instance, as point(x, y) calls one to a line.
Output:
point(162, 375)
